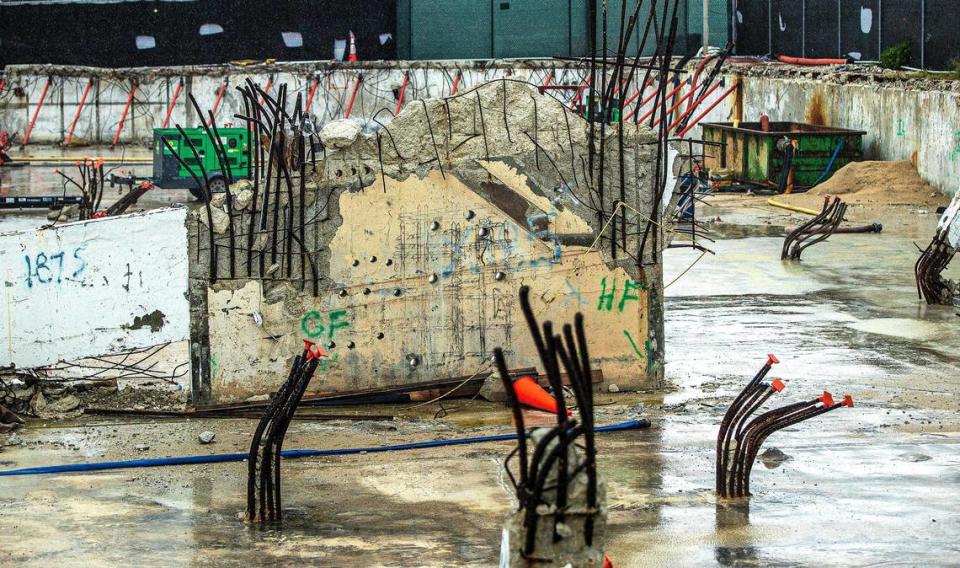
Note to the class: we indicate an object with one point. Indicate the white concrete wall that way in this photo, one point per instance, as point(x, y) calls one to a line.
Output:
point(901, 124)
point(76, 290)
point(104, 105)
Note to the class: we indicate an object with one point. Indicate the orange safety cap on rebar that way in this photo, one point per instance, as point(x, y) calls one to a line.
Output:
point(777, 385)
point(531, 394)
point(847, 401)
point(607, 563)
point(772, 359)
point(827, 399)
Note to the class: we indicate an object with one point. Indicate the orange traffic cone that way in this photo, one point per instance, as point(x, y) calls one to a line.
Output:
point(533, 395)
point(353, 48)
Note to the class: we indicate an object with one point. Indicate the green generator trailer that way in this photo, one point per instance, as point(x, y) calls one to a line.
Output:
point(169, 173)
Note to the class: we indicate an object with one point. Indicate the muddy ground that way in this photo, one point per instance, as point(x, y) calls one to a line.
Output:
point(877, 484)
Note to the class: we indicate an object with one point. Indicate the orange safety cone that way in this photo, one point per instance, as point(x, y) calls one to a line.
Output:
point(533, 395)
point(353, 48)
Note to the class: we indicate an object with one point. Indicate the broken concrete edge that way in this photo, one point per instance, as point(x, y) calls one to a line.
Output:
point(14, 71)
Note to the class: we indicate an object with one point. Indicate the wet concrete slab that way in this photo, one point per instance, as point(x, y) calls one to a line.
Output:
point(874, 485)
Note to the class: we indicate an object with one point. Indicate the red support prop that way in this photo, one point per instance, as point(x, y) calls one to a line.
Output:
point(679, 102)
point(700, 116)
point(353, 96)
point(693, 106)
point(310, 94)
point(216, 103)
point(36, 113)
point(647, 114)
point(403, 90)
point(123, 116)
point(266, 89)
point(76, 117)
point(579, 95)
point(456, 83)
point(173, 103)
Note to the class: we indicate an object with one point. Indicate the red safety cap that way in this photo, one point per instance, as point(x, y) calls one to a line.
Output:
point(772, 359)
point(777, 385)
point(827, 399)
point(145, 185)
point(98, 163)
point(607, 563)
point(100, 214)
point(307, 344)
point(847, 401)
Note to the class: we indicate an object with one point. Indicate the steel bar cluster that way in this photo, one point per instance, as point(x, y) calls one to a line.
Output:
point(263, 466)
point(931, 286)
point(552, 455)
point(815, 230)
point(278, 153)
point(739, 441)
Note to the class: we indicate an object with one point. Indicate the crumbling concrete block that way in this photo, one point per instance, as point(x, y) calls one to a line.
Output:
point(417, 237)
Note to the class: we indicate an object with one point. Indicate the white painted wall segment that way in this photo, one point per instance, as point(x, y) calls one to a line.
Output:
point(93, 288)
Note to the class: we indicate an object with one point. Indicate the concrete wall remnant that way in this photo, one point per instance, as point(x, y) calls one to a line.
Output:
point(420, 233)
point(93, 288)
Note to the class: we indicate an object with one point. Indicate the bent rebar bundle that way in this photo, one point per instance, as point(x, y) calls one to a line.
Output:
point(559, 479)
point(931, 286)
point(815, 230)
point(263, 465)
point(739, 441)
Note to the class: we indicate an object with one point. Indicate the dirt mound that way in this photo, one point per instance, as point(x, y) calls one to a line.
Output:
point(873, 183)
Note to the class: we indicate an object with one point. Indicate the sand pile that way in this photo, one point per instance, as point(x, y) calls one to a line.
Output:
point(873, 183)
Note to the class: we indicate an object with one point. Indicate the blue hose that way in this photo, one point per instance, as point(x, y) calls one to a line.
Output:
point(221, 458)
point(836, 152)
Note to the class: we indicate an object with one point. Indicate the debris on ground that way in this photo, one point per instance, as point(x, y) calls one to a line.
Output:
point(773, 457)
point(207, 437)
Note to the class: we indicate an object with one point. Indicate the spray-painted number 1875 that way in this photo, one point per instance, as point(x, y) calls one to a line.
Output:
point(44, 268)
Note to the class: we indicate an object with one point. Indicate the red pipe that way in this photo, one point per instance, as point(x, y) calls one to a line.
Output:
point(694, 105)
point(403, 90)
point(310, 93)
point(76, 117)
point(173, 104)
point(647, 114)
point(216, 103)
point(123, 116)
point(456, 83)
point(809, 61)
point(36, 113)
point(353, 96)
point(700, 116)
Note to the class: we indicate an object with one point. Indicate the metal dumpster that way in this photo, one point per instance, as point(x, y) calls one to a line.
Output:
point(751, 154)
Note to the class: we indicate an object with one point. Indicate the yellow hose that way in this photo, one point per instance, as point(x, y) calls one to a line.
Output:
point(794, 208)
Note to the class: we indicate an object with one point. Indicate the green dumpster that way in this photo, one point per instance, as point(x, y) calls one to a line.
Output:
point(751, 154)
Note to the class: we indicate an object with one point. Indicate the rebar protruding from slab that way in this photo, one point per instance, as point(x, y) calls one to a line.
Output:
point(931, 286)
point(739, 441)
point(263, 466)
point(815, 230)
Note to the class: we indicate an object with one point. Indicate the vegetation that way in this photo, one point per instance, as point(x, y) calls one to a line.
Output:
point(896, 56)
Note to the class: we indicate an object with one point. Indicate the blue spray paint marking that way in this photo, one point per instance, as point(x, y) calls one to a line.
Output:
point(46, 269)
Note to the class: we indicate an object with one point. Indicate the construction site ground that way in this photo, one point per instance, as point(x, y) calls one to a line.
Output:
point(876, 484)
